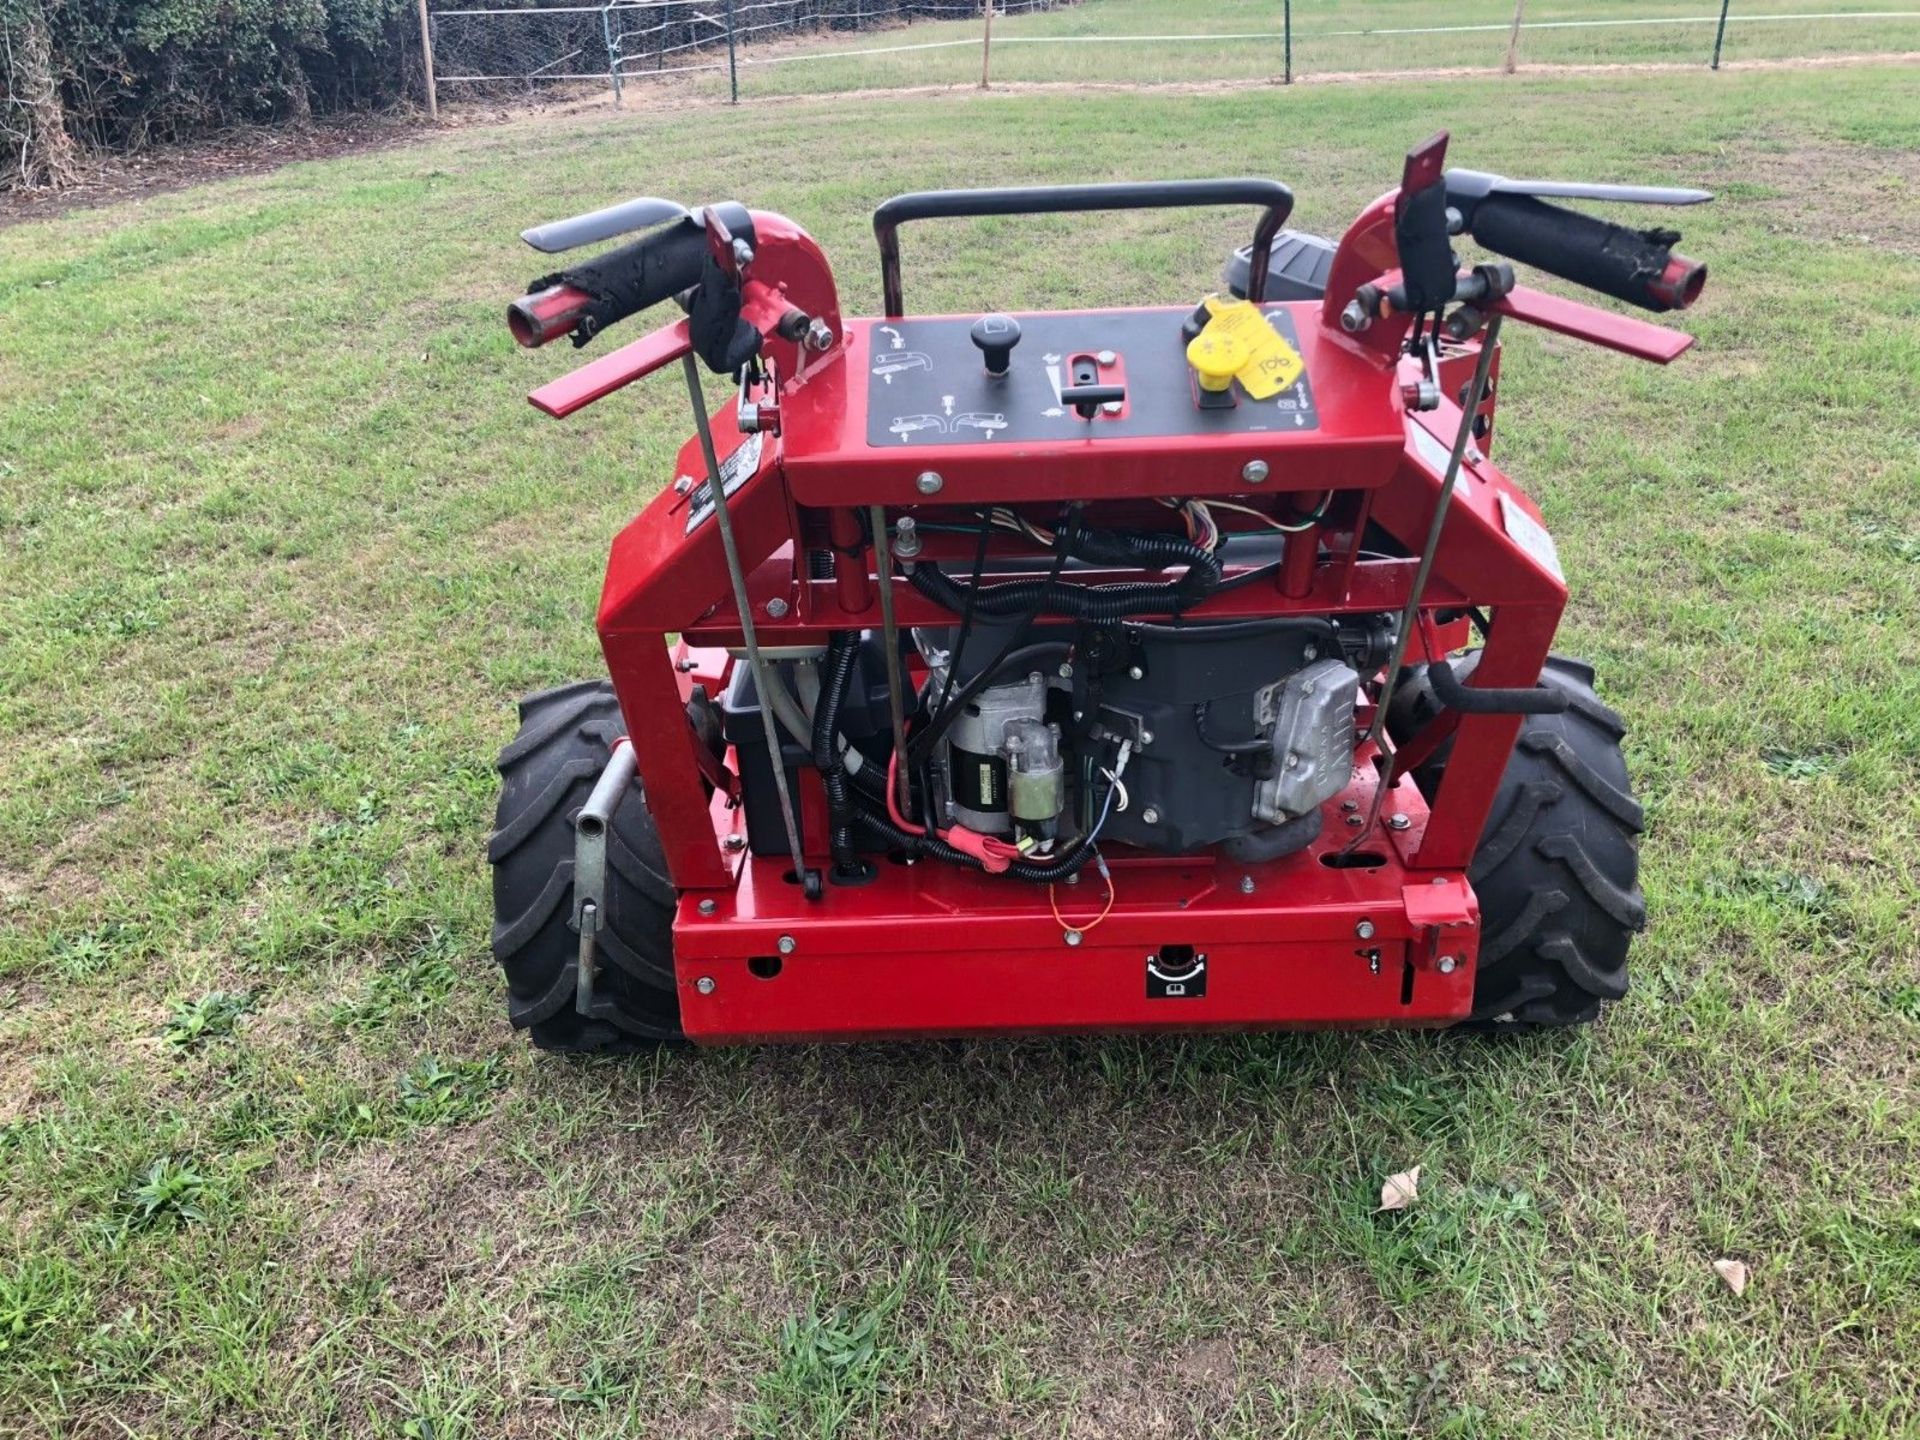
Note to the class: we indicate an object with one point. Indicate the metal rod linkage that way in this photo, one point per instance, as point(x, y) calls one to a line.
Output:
point(890, 634)
point(763, 679)
point(1410, 617)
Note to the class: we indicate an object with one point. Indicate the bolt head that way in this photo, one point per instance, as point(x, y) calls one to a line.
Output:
point(1448, 964)
point(1066, 673)
point(1134, 672)
point(1355, 820)
point(777, 608)
point(1106, 357)
point(1112, 407)
point(1364, 929)
point(1150, 816)
point(704, 984)
point(1254, 472)
point(1072, 937)
point(1146, 738)
point(1398, 822)
point(707, 907)
point(736, 842)
point(786, 944)
point(1310, 652)
point(928, 482)
point(1246, 884)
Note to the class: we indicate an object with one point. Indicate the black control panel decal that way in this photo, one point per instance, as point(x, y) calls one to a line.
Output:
point(927, 383)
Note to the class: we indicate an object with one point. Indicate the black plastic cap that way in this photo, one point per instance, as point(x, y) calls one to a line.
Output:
point(1297, 270)
point(996, 335)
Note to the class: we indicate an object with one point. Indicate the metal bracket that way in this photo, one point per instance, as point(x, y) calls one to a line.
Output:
point(590, 866)
point(1444, 903)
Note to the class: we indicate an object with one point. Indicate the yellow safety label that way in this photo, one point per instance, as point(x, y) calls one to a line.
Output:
point(1239, 343)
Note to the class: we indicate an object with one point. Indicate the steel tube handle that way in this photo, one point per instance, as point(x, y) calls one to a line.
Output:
point(1275, 199)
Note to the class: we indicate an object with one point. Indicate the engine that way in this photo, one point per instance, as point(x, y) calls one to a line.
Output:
point(1235, 734)
point(1170, 738)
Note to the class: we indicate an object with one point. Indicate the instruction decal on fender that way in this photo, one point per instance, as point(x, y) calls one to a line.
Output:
point(1432, 451)
point(738, 468)
point(1530, 535)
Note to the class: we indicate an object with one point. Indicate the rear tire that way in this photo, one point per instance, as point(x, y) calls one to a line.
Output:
point(1557, 867)
point(566, 736)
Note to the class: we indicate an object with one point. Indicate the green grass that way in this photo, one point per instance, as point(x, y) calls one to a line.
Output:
point(1330, 37)
point(280, 543)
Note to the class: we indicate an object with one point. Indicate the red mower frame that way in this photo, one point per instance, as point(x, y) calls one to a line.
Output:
point(1385, 933)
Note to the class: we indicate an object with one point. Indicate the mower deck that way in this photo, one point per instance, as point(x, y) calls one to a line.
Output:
point(933, 950)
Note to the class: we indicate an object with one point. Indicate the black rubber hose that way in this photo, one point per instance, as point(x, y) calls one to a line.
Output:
point(1238, 629)
point(1070, 862)
point(1255, 746)
point(1289, 837)
point(843, 650)
point(1479, 700)
point(1097, 603)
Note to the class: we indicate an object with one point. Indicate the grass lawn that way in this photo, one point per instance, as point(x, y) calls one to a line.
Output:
point(1088, 43)
point(280, 543)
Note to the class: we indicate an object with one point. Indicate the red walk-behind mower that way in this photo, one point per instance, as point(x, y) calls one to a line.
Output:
point(1080, 670)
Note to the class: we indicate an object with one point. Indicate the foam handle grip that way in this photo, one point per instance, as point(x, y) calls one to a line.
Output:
point(1637, 266)
point(626, 280)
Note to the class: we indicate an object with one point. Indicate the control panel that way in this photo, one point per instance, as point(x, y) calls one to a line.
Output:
point(1096, 375)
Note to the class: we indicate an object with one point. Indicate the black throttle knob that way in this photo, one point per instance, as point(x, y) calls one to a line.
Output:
point(996, 335)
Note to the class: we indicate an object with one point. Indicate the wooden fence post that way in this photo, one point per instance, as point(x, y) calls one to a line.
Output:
point(426, 61)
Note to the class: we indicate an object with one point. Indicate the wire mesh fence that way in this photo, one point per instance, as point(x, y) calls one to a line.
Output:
point(534, 45)
point(736, 48)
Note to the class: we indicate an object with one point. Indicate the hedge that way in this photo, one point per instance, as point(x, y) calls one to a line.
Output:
point(92, 76)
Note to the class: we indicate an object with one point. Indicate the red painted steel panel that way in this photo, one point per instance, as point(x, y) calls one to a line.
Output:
point(1624, 333)
point(934, 949)
point(600, 378)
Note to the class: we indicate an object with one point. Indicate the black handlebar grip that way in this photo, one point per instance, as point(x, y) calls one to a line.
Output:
point(635, 276)
point(1637, 266)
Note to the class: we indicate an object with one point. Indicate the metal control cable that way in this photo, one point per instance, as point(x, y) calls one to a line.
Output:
point(1410, 616)
point(763, 678)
